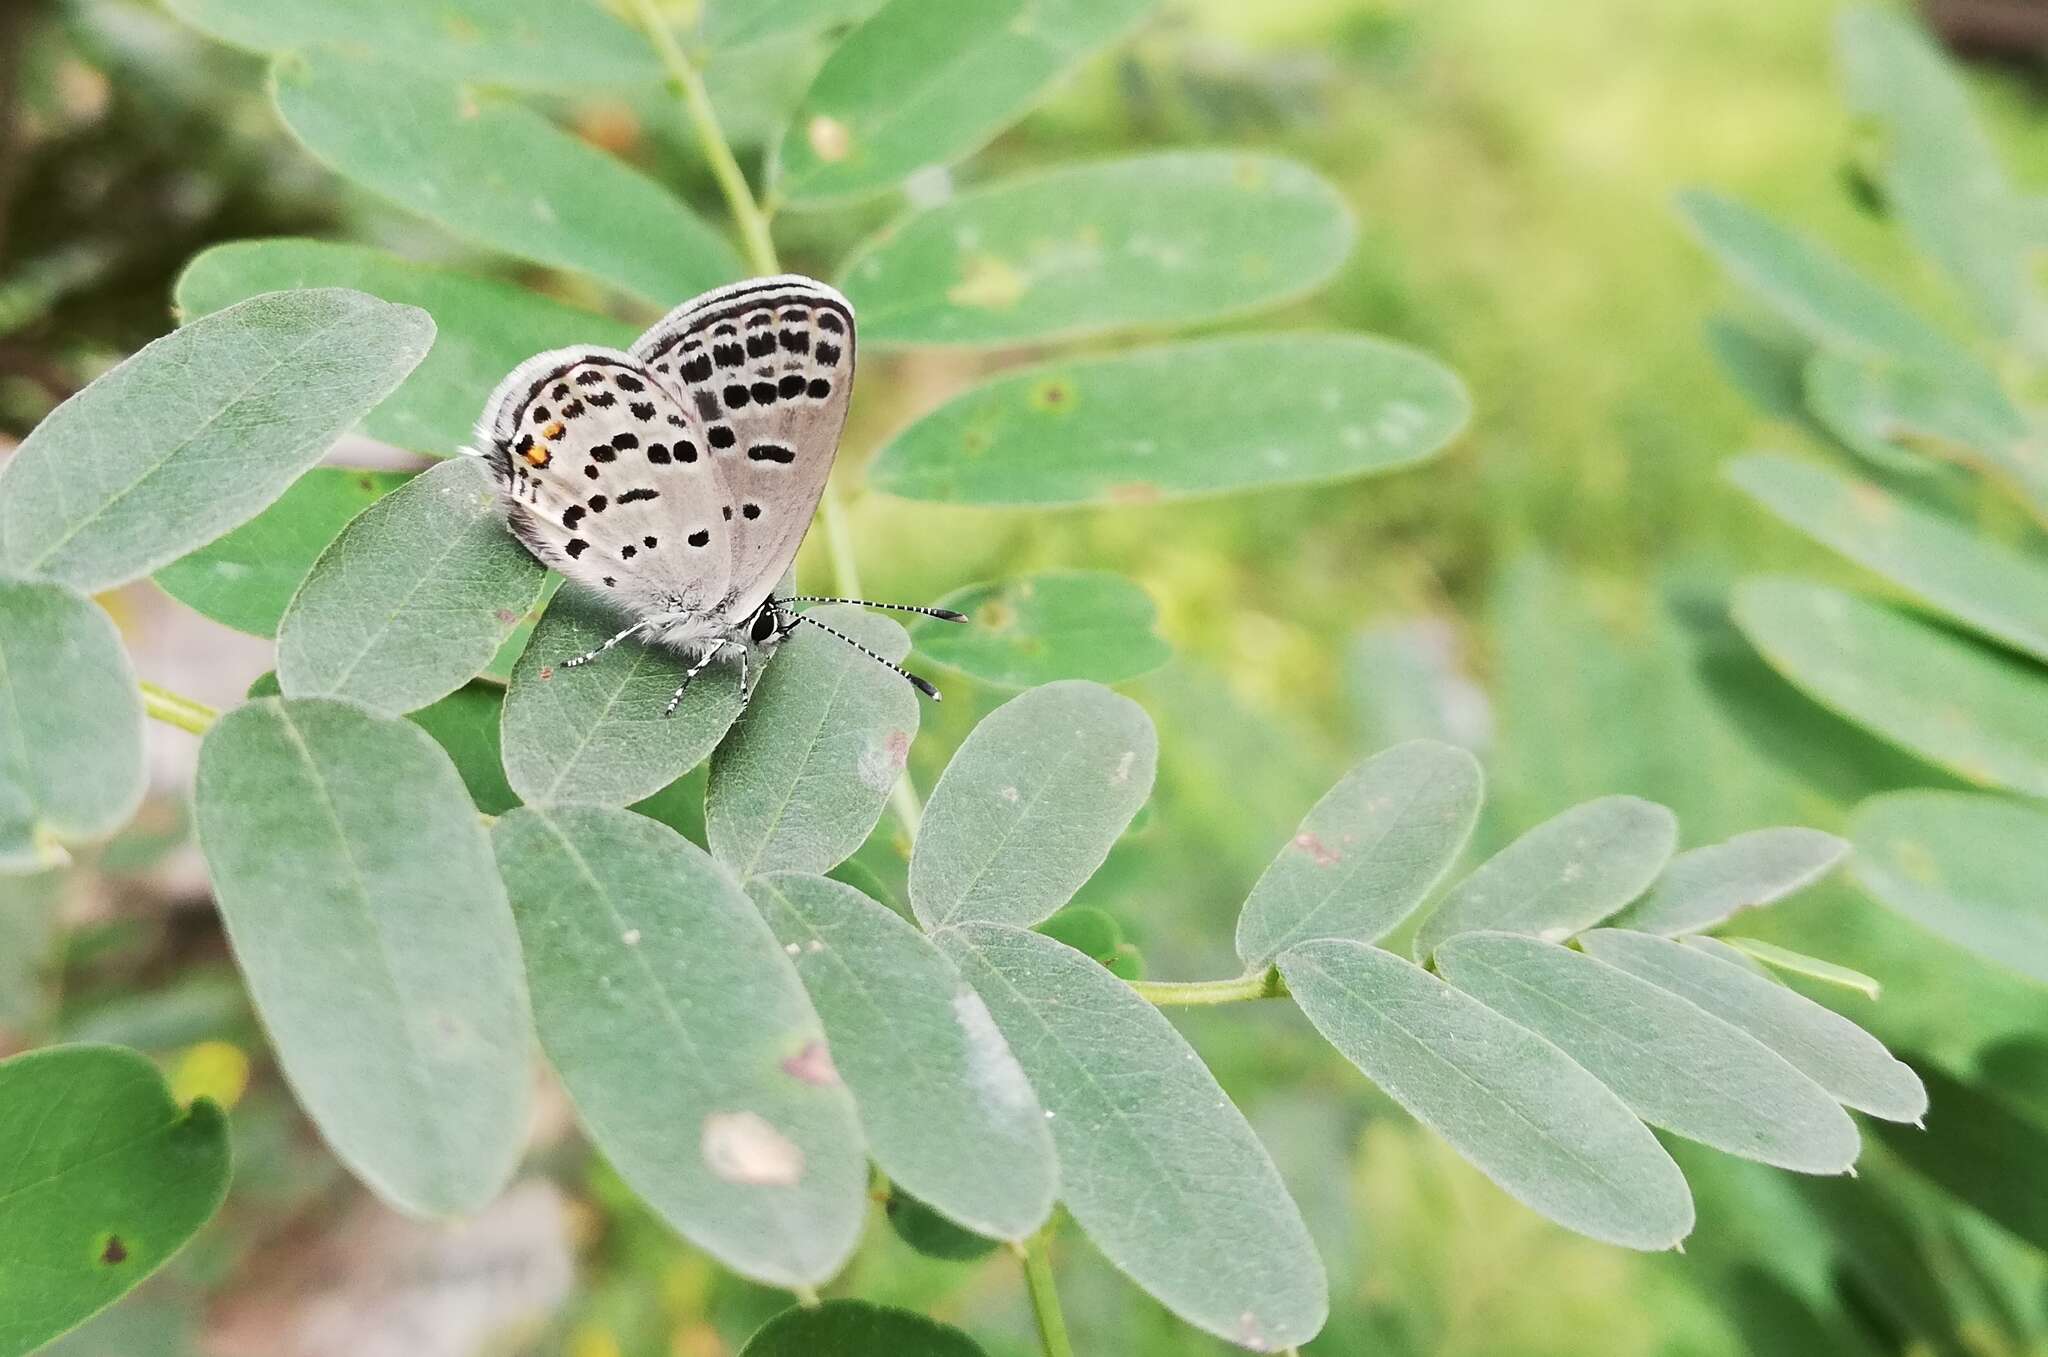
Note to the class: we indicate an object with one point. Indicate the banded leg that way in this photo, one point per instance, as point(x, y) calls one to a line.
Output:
point(587, 656)
point(690, 674)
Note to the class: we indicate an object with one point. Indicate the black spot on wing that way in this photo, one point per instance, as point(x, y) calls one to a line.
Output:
point(577, 546)
point(828, 354)
point(642, 411)
point(819, 389)
point(752, 511)
point(698, 369)
point(722, 436)
point(626, 381)
point(638, 493)
point(771, 452)
point(657, 453)
point(701, 538)
point(572, 515)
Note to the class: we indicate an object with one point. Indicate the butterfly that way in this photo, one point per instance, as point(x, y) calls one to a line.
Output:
point(677, 479)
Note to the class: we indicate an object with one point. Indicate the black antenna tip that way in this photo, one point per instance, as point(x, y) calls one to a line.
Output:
point(923, 687)
point(948, 615)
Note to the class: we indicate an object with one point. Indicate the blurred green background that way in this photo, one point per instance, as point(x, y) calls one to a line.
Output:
point(1551, 590)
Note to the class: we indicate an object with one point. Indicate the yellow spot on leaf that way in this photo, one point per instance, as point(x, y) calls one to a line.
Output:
point(989, 283)
point(212, 1069)
point(1054, 396)
point(830, 140)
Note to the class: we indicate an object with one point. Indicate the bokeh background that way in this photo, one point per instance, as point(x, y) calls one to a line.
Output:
point(1551, 592)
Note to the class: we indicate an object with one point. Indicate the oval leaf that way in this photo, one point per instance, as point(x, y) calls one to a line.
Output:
point(802, 779)
point(1523, 1112)
point(245, 579)
point(1369, 853)
point(940, 1095)
point(1909, 419)
point(106, 1177)
point(596, 733)
point(1772, 957)
point(1170, 423)
point(358, 890)
point(920, 85)
point(1977, 712)
point(1676, 1065)
point(484, 329)
point(1997, 592)
point(1061, 624)
point(1967, 868)
point(1565, 875)
point(1030, 805)
point(1156, 1163)
point(412, 600)
point(71, 759)
point(198, 432)
point(732, 24)
point(1835, 1053)
point(465, 723)
point(1707, 886)
point(854, 1328)
point(499, 174)
point(686, 1041)
point(1153, 241)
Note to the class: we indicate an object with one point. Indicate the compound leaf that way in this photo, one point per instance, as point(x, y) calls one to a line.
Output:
point(1707, 886)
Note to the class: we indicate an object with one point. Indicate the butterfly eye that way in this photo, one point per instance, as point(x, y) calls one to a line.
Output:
point(764, 625)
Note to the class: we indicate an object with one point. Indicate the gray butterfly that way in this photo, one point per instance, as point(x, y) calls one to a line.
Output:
point(678, 480)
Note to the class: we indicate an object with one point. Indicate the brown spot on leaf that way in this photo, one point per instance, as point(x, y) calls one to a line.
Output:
point(507, 617)
point(114, 1252)
point(1054, 395)
point(743, 1147)
point(547, 671)
point(899, 748)
point(1315, 848)
point(813, 1064)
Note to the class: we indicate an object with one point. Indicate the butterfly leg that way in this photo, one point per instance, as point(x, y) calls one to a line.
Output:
point(690, 675)
point(590, 655)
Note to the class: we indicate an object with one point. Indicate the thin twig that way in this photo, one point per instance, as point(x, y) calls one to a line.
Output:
point(1045, 1298)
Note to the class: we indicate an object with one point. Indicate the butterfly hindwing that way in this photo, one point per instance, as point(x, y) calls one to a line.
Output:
point(765, 369)
point(606, 479)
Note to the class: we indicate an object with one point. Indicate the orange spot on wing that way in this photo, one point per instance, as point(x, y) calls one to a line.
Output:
point(553, 430)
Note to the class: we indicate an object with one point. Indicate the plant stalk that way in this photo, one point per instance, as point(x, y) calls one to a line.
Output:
point(175, 709)
point(1045, 1298)
point(1261, 984)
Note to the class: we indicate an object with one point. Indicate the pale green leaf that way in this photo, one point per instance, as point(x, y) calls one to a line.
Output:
point(1765, 364)
point(940, 1095)
point(366, 914)
point(856, 1328)
point(106, 1178)
point(683, 1035)
point(498, 173)
point(921, 85)
point(245, 579)
point(1785, 959)
point(1169, 423)
point(1158, 240)
point(1978, 712)
point(1980, 1150)
point(731, 24)
point(71, 765)
point(1550, 1134)
point(198, 432)
point(1368, 854)
point(1030, 805)
point(1953, 566)
point(1852, 1065)
point(1059, 624)
point(1156, 1164)
point(1563, 876)
point(484, 329)
point(1707, 886)
point(1967, 868)
point(413, 599)
point(1676, 1065)
point(596, 733)
point(566, 44)
point(802, 779)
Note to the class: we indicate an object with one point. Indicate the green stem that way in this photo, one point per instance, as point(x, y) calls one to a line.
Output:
point(806, 1296)
point(175, 709)
point(1045, 1298)
point(1261, 984)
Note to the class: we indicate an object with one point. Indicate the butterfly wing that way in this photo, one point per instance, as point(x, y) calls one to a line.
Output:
point(765, 369)
point(606, 479)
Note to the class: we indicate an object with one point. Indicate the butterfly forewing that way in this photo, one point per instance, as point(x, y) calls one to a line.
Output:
point(764, 369)
point(607, 479)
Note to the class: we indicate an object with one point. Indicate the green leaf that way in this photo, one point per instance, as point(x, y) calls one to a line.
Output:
point(1978, 712)
point(1156, 1163)
point(919, 85)
point(245, 579)
point(1707, 886)
point(1677, 1066)
point(1093, 933)
point(359, 894)
point(854, 1328)
point(1368, 854)
point(1766, 365)
point(1030, 805)
point(198, 432)
point(484, 328)
point(801, 781)
point(941, 1098)
point(526, 44)
point(596, 733)
point(1563, 876)
point(1852, 1065)
point(106, 1179)
point(1157, 240)
point(1998, 592)
point(931, 1234)
point(465, 723)
point(499, 174)
point(1523, 1112)
point(413, 599)
point(1981, 1150)
point(1966, 868)
point(1032, 629)
point(731, 24)
point(684, 1037)
point(1797, 963)
point(1814, 291)
point(71, 765)
point(1168, 423)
